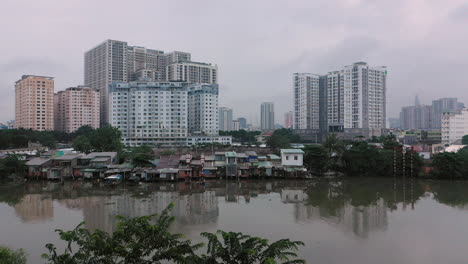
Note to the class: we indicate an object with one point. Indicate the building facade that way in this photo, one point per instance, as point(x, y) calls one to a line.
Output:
point(203, 109)
point(416, 117)
point(267, 116)
point(150, 112)
point(34, 103)
point(225, 119)
point(441, 106)
point(76, 107)
point(356, 97)
point(454, 126)
point(288, 119)
point(306, 101)
point(242, 123)
point(115, 60)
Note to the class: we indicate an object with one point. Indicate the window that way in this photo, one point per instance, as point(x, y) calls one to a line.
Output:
point(287, 157)
point(295, 157)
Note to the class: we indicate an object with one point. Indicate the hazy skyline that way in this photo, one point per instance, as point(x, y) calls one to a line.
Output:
point(257, 45)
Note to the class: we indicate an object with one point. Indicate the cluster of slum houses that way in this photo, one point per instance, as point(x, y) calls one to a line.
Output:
point(171, 167)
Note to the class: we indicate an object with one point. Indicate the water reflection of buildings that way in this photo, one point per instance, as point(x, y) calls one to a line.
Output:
point(99, 212)
point(361, 220)
point(34, 208)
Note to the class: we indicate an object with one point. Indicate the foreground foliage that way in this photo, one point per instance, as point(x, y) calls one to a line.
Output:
point(147, 240)
point(9, 256)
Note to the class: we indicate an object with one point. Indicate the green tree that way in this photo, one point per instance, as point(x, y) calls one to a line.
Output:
point(141, 156)
point(82, 144)
point(106, 138)
point(465, 140)
point(12, 164)
point(9, 256)
point(277, 141)
point(83, 131)
point(315, 159)
point(243, 249)
point(447, 165)
point(136, 240)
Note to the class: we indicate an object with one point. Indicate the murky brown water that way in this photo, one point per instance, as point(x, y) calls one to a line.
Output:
point(351, 221)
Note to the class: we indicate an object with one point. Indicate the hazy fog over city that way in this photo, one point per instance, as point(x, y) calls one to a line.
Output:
point(257, 45)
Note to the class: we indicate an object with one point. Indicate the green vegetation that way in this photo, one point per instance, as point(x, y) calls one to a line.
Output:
point(242, 136)
point(19, 138)
point(465, 140)
point(141, 156)
point(448, 165)
point(106, 138)
point(147, 240)
point(359, 158)
point(12, 165)
point(282, 138)
point(9, 256)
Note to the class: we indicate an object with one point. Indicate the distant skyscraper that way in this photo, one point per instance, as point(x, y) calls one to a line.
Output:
point(267, 116)
point(115, 60)
point(235, 125)
point(357, 97)
point(416, 101)
point(288, 119)
point(242, 122)
point(416, 117)
point(76, 107)
point(34, 102)
point(225, 119)
point(441, 106)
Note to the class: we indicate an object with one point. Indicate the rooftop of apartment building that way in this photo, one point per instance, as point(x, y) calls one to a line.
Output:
point(34, 76)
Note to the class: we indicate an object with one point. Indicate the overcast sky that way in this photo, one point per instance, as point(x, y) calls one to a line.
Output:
point(257, 44)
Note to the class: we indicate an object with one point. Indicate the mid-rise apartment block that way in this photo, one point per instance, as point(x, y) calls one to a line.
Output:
point(150, 112)
point(441, 106)
point(454, 126)
point(34, 102)
point(267, 116)
point(76, 107)
point(288, 119)
point(203, 109)
point(115, 60)
point(416, 117)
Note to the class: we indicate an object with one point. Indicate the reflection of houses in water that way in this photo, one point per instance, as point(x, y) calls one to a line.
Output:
point(193, 209)
point(35, 207)
point(361, 220)
point(293, 195)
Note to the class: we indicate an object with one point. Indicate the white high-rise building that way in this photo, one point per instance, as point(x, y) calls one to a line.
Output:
point(115, 60)
point(306, 101)
point(150, 112)
point(225, 119)
point(454, 126)
point(267, 116)
point(203, 109)
point(356, 97)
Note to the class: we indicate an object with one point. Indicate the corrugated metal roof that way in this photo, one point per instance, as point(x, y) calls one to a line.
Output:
point(274, 157)
point(292, 151)
point(37, 161)
point(231, 154)
point(251, 153)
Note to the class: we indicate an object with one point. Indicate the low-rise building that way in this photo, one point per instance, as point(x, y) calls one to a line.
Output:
point(292, 157)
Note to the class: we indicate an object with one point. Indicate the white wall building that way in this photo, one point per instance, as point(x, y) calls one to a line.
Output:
point(192, 72)
point(203, 109)
point(150, 112)
point(292, 157)
point(306, 101)
point(454, 126)
point(197, 140)
point(356, 97)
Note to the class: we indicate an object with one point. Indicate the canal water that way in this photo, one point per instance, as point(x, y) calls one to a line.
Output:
point(359, 220)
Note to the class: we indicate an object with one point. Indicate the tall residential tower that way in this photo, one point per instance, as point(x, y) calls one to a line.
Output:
point(34, 102)
point(267, 116)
